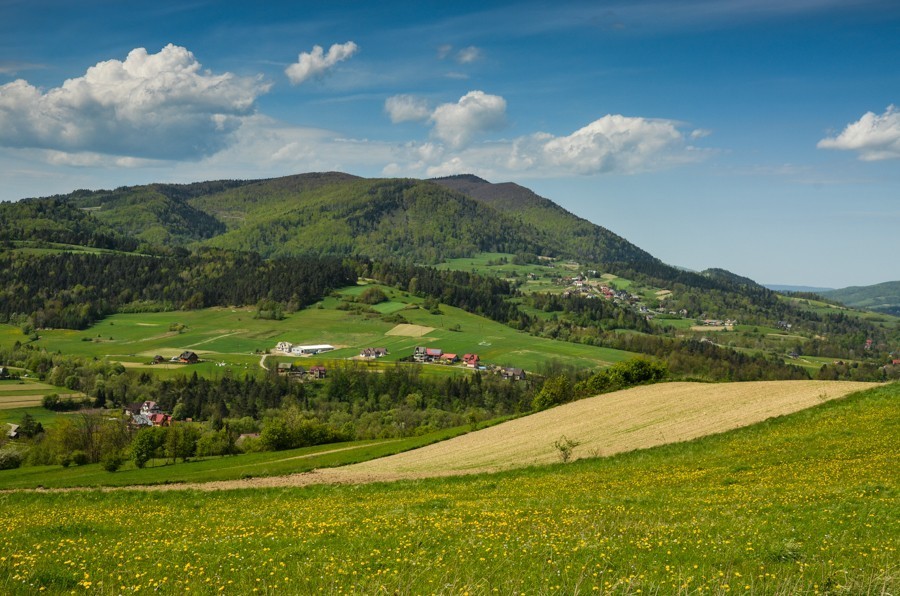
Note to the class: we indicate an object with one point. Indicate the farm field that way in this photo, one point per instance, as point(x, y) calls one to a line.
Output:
point(800, 504)
point(244, 466)
point(628, 420)
point(230, 337)
point(28, 393)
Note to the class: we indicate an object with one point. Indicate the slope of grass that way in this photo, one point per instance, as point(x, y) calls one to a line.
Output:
point(250, 465)
point(797, 505)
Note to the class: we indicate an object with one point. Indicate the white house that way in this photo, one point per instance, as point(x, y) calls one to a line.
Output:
point(284, 346)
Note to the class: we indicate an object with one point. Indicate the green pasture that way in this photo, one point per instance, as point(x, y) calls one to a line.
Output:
point(40, 414)
point(234, 337)
point(802, 504)
point(248, 465)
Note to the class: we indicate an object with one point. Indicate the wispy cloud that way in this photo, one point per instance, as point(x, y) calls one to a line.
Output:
point(407, 108)
point(9, 67)
point(316, 63)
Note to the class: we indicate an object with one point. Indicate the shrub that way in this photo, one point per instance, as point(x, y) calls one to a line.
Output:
point(79, 457)
point(373, 296)
point(112, 461)
point(10, 460)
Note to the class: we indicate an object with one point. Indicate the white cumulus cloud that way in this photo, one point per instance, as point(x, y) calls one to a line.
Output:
point(874, 137)
point(614, 143)
point(317, 62)
point(458, 123)
point(611, 144)
point(155, 106)
point(407, 108)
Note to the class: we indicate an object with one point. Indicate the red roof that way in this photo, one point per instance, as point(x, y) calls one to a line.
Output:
point(434, 351)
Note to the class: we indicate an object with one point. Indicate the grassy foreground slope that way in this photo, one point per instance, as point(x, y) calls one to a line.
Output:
point(626, 420)
point(800, 504)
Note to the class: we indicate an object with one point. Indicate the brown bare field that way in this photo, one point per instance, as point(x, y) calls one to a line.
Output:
point(8, 402)
point(636, 418)
point(712, 328)
point(407, 330)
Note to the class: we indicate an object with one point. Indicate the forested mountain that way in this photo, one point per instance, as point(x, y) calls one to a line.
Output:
point(322, 214)
point(584, 240)
point(884, 297)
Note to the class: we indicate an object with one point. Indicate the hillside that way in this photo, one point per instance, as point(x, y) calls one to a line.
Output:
point(797, 505)
point(884, 297)
point(330, 213)
point(585, 240)
point(605, 425)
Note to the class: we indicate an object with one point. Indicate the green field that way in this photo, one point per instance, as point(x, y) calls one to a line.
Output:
point(803, 504)
point(255, 465)
point(234, 337)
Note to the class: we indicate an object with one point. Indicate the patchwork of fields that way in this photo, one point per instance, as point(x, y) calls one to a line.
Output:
point(234, 338)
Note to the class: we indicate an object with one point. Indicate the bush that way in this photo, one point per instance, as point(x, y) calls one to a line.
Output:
point(79, 457)
point(10, 460)
point(373, 296)
point(112, 461)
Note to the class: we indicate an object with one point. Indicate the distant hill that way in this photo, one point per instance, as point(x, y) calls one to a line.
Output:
point(730, 277)
point(789, 288)
point(883, 297)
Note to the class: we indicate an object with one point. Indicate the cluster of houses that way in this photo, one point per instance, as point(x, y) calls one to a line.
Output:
point(287, 347)
point(148, 413)
point(423, 354)
point(719, 322)
point(299, 373)
point(438, 356)
point(186, 357)
point(372, 353)
point(580, 285)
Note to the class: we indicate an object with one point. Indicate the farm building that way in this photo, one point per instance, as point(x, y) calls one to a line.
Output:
point(188, 357)
point(317, 372)
point(423, 354)
point(160, 419)
point(471, 360)
point(513, 374)
point(150, 407)
point(311, 350)
point(373, 352)
point(284, 346)
point(449, 358)
point(290, 370)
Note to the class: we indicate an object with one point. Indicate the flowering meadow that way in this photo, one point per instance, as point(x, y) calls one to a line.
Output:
point(805, 504)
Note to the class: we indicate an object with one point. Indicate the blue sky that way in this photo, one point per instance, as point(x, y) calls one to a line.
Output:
point(758, 136)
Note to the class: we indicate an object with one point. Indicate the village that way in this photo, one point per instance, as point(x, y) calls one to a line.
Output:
point(421, 355)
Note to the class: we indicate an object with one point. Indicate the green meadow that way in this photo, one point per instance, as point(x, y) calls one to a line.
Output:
point(232, 467)
point(803, 504)
point(232, 338)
